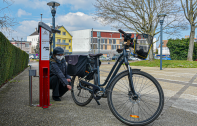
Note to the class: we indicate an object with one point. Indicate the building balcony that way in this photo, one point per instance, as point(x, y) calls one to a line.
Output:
point(66, 50)
point(58, 43)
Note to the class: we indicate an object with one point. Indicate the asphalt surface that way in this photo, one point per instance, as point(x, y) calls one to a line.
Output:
point(179, 86)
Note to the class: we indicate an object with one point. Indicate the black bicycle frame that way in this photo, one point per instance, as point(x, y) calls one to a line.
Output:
point(114, 71)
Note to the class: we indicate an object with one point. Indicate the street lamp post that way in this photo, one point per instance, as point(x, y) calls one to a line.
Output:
point(53, 5)
point(161, 20)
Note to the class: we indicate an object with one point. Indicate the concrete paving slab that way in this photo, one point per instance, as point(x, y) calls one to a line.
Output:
point(15, 110)
point(176, 117)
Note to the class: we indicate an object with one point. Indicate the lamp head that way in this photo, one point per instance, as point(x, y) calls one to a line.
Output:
point(53, 5)
point(161, 16)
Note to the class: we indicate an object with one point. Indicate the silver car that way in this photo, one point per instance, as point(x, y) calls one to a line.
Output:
point(104, 58)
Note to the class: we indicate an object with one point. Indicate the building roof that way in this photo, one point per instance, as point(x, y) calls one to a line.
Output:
point(35, 33)
point(58, 27)
point(164, 43)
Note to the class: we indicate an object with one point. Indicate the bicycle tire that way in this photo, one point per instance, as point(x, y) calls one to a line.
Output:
point(125, 102)
point(79, 95)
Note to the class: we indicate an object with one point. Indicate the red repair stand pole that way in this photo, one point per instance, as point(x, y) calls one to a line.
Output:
point(44, 69)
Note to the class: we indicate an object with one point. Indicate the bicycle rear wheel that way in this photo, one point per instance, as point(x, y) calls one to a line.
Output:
point(129, 110)
point(80, 95)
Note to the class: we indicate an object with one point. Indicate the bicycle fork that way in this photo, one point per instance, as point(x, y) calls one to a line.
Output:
point(132, 92)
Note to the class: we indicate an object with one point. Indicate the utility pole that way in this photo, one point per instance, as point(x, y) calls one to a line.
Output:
point(41, 17)
point(92, 41)
point(21, 43)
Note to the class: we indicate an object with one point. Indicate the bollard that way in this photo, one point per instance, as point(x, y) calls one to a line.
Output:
point(31, 73)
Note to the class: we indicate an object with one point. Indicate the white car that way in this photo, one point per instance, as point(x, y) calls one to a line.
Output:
point(31, 57)
point(134, 58)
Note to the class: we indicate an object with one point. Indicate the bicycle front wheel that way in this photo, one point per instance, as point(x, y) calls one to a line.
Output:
point(80, 95)
point(140, 110)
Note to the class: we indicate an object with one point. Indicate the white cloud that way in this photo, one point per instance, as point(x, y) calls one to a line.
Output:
point(79, 21)
point(22, 12)
point(71, 21)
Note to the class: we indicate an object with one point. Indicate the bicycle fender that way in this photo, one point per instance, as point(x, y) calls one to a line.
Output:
point(120, 73)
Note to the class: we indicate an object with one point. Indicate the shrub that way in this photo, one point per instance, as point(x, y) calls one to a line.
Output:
point(179, 49)
point(12, 59)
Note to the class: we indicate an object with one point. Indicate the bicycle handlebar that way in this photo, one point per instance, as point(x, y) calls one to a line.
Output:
point(121, 31)
point(127, 37)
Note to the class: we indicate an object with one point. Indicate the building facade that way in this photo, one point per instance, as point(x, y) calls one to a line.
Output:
point(23, 45)
point(99, 41)
point(34, 39)
point(63, 39)
point(165, 49)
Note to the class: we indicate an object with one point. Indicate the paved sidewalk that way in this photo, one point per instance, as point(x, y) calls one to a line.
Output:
point(179, 86)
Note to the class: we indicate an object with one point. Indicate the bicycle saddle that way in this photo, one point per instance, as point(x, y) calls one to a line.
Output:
point(95, 55)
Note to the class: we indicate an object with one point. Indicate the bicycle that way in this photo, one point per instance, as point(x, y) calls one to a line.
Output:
point(134, 97)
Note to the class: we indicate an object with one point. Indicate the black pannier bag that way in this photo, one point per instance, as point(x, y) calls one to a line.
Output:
point(76, 65)
point(92, 63)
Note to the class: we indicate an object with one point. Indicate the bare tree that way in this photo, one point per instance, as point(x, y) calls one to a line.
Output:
point(190, 12)
point(6, 21)
point(140, 16)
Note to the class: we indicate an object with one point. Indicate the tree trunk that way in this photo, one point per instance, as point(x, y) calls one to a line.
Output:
point(151, 57)
point(191, 44)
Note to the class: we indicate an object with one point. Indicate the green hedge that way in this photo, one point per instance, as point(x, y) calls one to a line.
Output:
point(12, 59)
point(179, 49)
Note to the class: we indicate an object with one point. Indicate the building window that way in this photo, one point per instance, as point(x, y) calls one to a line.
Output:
point(64, 41)
point(105, 41)
point(27, 52)
point(105, 47)
point(69, 41)
point(58, 40)
point(64, 33)
point(114, 41)
point(110, 41)
point(17, 44)
point(26, 44)
point(69, 47)
point(101, 46)
point(94, 40)
point(113, 46)
point(102, 40)
point(120, 35)
point(94, 46)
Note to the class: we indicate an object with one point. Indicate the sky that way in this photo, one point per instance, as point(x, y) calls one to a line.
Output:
point(72, 14)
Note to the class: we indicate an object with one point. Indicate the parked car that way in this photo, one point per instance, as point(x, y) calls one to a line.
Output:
point(166, 58)
point(133, 58)
point(104, 58)
point(156, 57)
point(37, 57)
point(31, 56)
point(114, 57)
